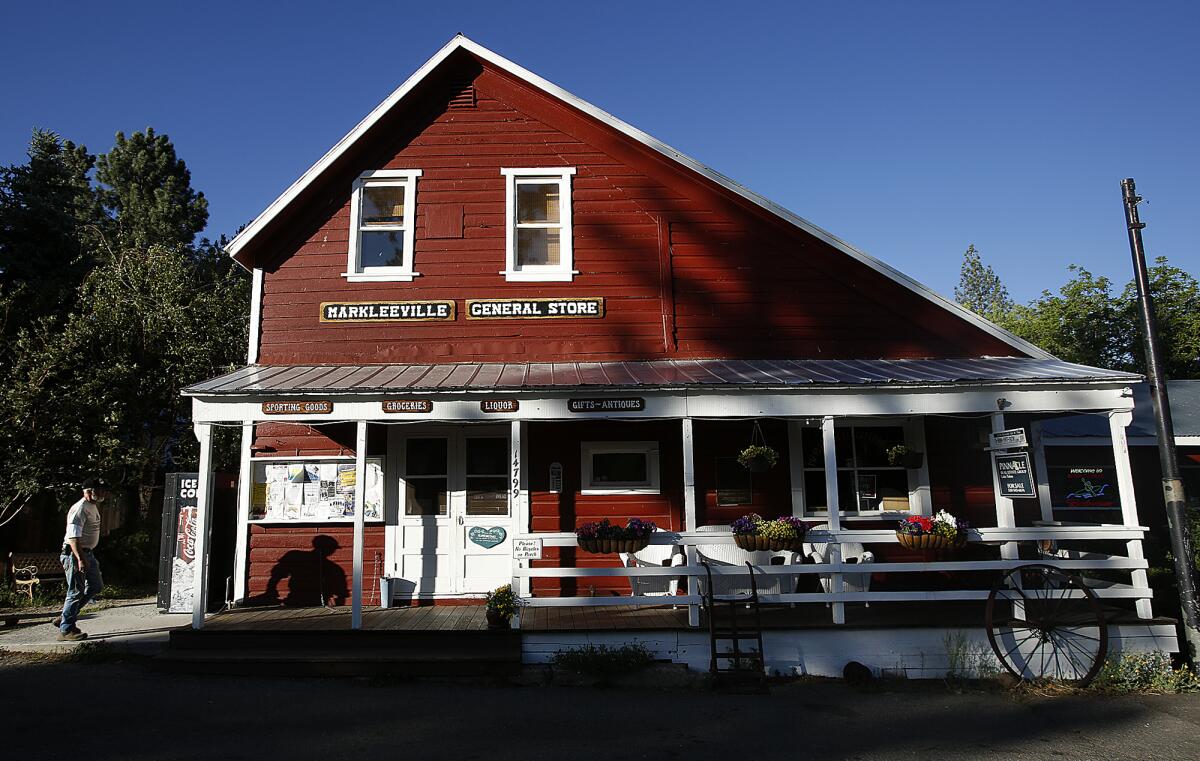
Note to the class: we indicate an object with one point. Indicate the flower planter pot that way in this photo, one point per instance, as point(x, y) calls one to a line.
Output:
point(755, 543)
point(614, 545)
point(496, 620)
point(912, 460)
point(930, 541)
point(758, 465)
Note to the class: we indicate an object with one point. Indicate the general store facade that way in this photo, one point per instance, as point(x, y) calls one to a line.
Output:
point(494, 311)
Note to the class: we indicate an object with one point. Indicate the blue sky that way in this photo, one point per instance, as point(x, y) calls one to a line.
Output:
point(909, 129)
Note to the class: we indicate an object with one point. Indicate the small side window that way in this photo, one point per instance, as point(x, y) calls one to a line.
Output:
point(382, 221)
point(619, 467)
point(538, 205)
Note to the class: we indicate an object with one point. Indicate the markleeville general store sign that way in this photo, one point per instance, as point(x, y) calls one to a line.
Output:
point(477, 309)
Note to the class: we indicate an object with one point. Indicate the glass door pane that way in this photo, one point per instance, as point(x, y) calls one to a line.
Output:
point(487, 476)
point(426, 477)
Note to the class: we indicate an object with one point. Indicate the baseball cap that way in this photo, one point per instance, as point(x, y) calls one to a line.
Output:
point(96, 482)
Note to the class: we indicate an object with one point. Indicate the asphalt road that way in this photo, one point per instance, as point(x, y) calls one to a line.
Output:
point(129, 711)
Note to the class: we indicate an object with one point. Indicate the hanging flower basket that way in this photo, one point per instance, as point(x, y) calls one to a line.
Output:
point(603, 536)
point(614, 545)
point(755, 543)
point(758, 457)
point(756, 534)
point(930, 541)
point(941, 532)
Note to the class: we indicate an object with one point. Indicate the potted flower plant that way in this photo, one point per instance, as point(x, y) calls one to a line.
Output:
point(758, 458)
point(501, 605)
point(941, 532)
point(605, 536)
point(902, 455)
point(753, 532)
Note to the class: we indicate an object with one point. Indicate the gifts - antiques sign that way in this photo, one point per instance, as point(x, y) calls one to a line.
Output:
point(536, 309)
point(387, 311)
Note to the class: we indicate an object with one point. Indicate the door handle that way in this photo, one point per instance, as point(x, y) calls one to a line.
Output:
point(460, 520)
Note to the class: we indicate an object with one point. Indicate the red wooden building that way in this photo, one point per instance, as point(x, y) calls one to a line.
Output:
point(493, 311)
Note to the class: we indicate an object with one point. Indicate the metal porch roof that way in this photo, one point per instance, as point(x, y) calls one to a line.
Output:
point(704, 373)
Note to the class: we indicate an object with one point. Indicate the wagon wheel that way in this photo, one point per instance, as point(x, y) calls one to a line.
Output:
point(1044, 623)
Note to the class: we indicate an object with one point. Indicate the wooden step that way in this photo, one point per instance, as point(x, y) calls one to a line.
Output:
point(414, 662)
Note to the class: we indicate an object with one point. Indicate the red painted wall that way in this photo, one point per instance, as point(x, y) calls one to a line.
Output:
point(303, 565)
point(688, 270)
point(560, 442)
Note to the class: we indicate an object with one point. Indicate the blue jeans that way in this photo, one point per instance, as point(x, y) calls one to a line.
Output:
point(82, 586)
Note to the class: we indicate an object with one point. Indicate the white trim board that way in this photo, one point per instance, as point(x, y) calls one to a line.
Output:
point(461, 42)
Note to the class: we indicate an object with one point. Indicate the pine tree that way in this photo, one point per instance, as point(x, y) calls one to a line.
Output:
point(980, 289)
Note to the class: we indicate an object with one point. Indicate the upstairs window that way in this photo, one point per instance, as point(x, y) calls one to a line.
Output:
point(538, 209)
point(381, 225)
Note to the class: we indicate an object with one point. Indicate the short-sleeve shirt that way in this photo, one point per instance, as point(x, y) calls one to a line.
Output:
point(83, 523)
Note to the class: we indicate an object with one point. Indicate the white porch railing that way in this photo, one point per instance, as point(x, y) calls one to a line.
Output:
point(1070, 560)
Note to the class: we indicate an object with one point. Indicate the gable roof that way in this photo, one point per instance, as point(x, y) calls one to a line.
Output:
point(236, 247)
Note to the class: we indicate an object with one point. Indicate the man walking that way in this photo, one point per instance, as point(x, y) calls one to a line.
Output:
point(82, 569)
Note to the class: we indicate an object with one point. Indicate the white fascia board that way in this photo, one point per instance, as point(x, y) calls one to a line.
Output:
point(648, 140)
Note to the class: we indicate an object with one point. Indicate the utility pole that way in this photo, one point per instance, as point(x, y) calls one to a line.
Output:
point(1181, 542)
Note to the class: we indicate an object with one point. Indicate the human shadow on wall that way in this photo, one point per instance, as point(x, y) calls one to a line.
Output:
point(312, 578)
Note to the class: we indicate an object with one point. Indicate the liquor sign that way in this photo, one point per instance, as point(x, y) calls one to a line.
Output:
point(298, 407)
point(499, 405)
point(527, 549)
point(634, 404)
point(387, 311)
point(407, 405)
point(535, 309)
point(1014, 475)
point(1010, 439)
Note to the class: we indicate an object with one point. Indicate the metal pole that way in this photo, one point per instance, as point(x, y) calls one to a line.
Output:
point(1181, 542)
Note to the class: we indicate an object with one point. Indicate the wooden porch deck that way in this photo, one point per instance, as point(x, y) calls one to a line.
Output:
point(967, 614)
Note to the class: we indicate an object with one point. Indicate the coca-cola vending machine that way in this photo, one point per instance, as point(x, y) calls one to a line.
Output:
point(177, 558)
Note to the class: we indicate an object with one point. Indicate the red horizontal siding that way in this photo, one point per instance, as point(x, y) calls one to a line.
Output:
point(744, 286)
point(288, 565)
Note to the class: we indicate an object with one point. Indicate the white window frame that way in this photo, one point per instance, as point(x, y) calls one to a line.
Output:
point(648, 448)
point(918, 478)
point(407, 179)
point(562, 272)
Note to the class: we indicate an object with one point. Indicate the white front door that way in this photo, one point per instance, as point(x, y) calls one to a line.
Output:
point(454, 529)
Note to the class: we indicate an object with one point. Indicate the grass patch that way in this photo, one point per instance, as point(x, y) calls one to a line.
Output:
point(1153, 673)
point(88, 653)
point(602, 661)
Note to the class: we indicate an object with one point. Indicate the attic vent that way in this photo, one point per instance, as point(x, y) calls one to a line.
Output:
point(464, 96)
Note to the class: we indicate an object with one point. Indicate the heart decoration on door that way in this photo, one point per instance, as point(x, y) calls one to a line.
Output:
point(487, 537)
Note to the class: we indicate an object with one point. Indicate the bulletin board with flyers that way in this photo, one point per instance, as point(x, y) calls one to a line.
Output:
point(313, 491)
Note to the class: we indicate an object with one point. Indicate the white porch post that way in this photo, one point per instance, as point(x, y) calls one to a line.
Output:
point(1006, 516)
point(1117, 422)
point(242, 541)
point(203, 525)
point(796, 465)
point(360, 502)
point(1043, 475)
point(519, 492)
point(829, 441)
point(689, 513)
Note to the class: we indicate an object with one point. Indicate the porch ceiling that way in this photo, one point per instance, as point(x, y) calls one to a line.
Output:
point(653, 374)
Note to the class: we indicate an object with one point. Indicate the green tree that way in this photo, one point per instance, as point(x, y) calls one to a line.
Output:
point(980, 289)
point(96, 389)
point(1176, 295)
point(46, 208)
point(147, 191)
point(1078, 324)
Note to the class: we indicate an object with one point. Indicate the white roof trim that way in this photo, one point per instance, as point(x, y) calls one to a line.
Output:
point(499, 61)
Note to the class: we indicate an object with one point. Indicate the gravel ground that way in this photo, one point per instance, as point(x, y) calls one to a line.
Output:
point(130, 710)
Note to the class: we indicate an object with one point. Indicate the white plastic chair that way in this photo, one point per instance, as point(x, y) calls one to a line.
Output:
point(654, 556)
point(852, 552)
point(732, 555)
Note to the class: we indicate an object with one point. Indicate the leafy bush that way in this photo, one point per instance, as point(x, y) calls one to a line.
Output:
point(1145, 672)
point(129, 557)
point(604, 661)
